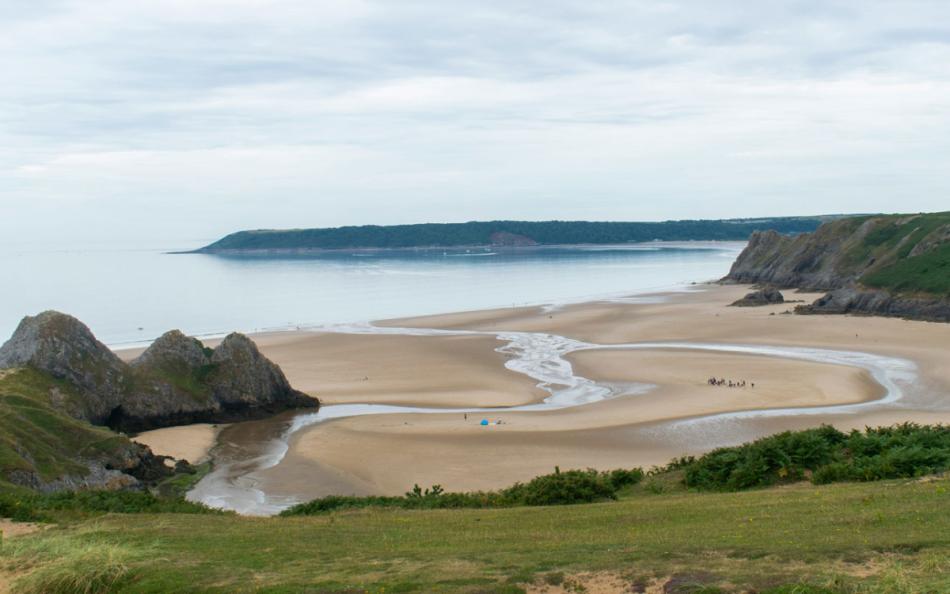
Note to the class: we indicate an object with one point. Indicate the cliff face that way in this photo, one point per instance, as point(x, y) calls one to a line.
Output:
point(897, 265)
point(66, 349)
point(816, 261)
point(176, 380)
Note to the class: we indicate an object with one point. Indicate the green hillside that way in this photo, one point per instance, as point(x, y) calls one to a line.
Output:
point(891, 537)
point(36, 437)
point(912, 254)
point(506, 233)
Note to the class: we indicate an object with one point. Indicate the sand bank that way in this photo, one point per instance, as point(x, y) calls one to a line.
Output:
point(441, 371)
point(186, 442)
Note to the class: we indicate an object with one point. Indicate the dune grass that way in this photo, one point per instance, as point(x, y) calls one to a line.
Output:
point(889, 536)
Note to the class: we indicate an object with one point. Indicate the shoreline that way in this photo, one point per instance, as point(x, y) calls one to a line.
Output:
point(386, 454)
point(690, 243)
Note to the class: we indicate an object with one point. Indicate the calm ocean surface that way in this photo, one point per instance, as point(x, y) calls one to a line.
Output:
point(133, 295)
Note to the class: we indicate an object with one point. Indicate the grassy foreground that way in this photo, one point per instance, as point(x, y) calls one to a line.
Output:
point(888, 536)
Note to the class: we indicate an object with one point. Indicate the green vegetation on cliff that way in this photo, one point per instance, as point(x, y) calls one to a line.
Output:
point(926, 273)
point(904, 254)
point(37, 439)
point(505, 233)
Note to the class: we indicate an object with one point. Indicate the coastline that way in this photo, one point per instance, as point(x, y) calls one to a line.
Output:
point(316, 251)
point(386, 454)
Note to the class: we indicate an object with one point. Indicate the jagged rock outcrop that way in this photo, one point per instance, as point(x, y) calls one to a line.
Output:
point(895, 265)
point(177, 380)
point(59, 383)
point(871, 302)
point(244, 377)
point(173, 350)
point(65, 348)
point(767, 296)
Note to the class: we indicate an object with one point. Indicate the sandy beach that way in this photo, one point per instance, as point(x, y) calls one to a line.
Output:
point(389, 453)
point(186, 442)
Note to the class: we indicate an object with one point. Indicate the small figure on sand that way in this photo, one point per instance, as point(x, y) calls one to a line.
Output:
point(716, 381)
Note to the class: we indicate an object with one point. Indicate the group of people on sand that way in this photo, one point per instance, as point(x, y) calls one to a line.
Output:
point(716, 381)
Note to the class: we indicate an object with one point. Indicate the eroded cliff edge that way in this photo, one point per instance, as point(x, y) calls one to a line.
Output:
point(892, 265)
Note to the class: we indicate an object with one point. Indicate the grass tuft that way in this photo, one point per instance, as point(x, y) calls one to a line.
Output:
point(81, 563)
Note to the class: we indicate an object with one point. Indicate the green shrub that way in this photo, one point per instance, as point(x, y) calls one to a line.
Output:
point(563, 488)
point(827, 455)
point(621, 478)
point(559, 488)
point(31, 506)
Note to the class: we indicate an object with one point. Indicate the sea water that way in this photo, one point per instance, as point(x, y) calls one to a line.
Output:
point(130, 295)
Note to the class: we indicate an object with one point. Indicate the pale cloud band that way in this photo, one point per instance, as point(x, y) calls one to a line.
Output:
point(190, 119)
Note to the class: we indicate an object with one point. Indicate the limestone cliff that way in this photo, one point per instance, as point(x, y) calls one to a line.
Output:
point(63, 347)
point(894, 265)
point(178, 380)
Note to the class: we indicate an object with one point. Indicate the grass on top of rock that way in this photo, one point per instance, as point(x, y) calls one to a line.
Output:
point(928, 272)
point(559, 488)
point(886, 251)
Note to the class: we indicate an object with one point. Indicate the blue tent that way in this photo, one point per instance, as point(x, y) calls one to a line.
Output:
point(484, 422)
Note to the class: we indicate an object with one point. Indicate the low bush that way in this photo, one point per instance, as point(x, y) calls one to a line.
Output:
point(559, 488)
point(29, 506)
point(565, 488)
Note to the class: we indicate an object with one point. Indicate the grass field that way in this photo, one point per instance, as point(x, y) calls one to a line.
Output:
point(889, 536)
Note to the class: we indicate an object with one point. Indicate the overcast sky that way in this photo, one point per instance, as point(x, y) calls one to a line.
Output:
point(187, 119)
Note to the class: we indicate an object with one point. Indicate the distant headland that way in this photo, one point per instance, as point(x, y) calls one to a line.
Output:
point(505, 234)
